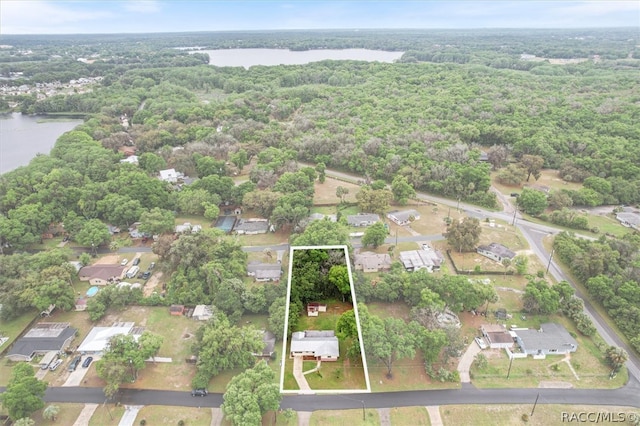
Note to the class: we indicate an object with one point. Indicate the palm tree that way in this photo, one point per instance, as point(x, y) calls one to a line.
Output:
point(616, 357)
point(51, 412)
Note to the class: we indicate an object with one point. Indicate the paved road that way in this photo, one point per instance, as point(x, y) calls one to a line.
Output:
point(468, 394)
point(534, 234)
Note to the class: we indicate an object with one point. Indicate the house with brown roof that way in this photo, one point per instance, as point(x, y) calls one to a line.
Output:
point(497, 336)
point(372, 262)
point(101, 274)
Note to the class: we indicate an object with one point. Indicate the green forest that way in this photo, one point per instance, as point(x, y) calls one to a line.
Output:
point(452, 100)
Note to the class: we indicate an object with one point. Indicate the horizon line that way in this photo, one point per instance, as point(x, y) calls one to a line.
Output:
point(324, 29)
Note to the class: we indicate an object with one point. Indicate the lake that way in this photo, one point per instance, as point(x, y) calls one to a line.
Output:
point(24, 136)
point(249, 57)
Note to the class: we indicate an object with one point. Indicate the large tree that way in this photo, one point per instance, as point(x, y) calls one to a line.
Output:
point(322, 232)
point(221, 346)
point(157, 221)
point(386, 340)
point(374, 200)
point(24, 392)
point(123, 359)
point(374, 235)
point(93, 234)
point(464, 235)
point(251, 394)
point(540, 298)
point(532, 202)
point(532, 164)
point(402, 190)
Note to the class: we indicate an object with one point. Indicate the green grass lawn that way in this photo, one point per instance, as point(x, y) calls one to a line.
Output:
point(67, 415)
point(165, 415)
point(607, 225)
point(345, 417)
point(544, 414)
point(410, 416)
point(107, 415)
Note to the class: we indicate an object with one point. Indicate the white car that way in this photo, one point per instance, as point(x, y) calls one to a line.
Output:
point(124, 262)
point(55, 365)
point(481, 343)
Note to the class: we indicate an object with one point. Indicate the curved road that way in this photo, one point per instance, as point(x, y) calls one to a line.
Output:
point(534, 234)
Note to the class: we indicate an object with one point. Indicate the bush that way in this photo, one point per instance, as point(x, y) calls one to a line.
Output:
point(180, 422)
point(525, 417)
point(143, 422)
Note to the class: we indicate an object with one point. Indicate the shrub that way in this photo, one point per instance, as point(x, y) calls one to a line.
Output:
point(525, 417)
point(143, 422)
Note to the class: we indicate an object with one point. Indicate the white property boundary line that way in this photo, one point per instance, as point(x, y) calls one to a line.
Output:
point(355, 311)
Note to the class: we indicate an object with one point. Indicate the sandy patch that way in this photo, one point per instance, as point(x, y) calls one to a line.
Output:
point(110, 259)
point(152, 283)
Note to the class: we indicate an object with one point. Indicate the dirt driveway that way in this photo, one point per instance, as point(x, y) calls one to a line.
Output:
point(152, 283)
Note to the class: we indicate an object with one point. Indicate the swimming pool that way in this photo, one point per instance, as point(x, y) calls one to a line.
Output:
point(92, 291)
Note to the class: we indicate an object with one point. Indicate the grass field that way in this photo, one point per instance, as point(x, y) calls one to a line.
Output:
point(548, 177)
point(345, 417)
point(417, 416)
point(544, 414)
point(67, 415)
point(165, 415)
point(325, 193)
point(106, 415)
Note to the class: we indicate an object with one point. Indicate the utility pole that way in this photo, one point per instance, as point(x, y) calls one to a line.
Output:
point(509, 371)
point(550, 257)
point(534, 405)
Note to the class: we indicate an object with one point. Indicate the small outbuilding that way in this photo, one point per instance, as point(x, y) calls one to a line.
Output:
point(202, 313)
point(176, 310)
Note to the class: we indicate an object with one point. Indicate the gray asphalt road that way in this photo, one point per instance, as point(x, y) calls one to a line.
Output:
point(468, 394)
point(534, 233)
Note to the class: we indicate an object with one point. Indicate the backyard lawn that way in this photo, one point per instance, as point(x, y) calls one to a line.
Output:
point(325, 193)
point(66, 416)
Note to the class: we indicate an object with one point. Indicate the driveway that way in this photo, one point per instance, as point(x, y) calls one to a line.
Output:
point(299, 375)
point(464, 365)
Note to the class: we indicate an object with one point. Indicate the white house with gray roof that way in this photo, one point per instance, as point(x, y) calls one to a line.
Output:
point(403, 217)
point(362, 219)
point(413, 260)
point(372, 262)
point(318, 345)
point(549, 339)
point(264, 271)
point(495, 251)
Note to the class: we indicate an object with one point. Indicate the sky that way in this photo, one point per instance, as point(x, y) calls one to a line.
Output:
point(144, 16)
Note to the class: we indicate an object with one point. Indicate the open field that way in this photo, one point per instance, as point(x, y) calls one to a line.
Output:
point(345, 417)
point(325, 193)
point(417, 416)
point(432, 218)
point(164, 415)
point(544, 414)
point(548, 178)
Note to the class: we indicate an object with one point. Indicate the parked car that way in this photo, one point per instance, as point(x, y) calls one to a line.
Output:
point(55, 364)
point(74, 363)
point(153, 265)
point(87, 362)
point(140, 275)
point(146, 275)
point(124, 262)
point(199, 392)
point(136, 261)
